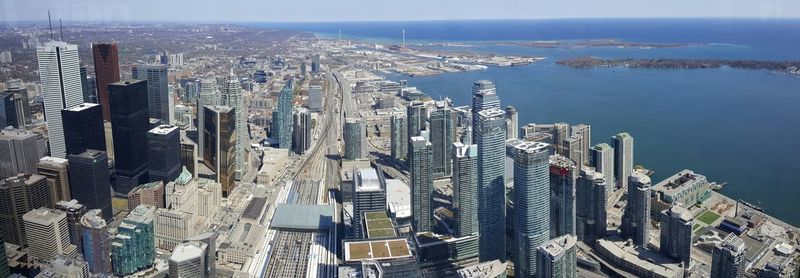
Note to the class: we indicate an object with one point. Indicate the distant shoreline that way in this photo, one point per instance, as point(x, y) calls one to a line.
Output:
point(784, 67)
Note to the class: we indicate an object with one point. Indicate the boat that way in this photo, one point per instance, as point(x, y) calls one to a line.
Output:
point(717, 186)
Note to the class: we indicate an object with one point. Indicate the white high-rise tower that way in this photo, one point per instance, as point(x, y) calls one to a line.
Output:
point(59, 70)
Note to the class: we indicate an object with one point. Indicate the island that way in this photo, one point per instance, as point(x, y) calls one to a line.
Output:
point(783, 67)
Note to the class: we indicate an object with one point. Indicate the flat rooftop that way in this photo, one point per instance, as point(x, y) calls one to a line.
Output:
point(369, 180)
point(81, 107)
point(376, 250)
point(526, 146)
point(303, 217)
point(254, 208)
point(492, 113)
point(378, 225)
point(163, 129)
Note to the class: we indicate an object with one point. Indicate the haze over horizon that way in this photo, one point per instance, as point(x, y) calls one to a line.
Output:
point(362, 10)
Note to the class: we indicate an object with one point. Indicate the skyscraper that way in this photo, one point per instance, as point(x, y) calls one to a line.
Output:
point(19, 152)
point(490, 136)
point(584, 131)
point(83, 128)
point(301, 130)
point(531, 204)
point(73, 211)
point(88, 96)
point(315, 64)
point(220, 143)
point(484, 96)
point(48, 234)
point(512, 123)
point(442, 138)
point(133, 248)
point(96, 242)
point(89, 181)
point(8, 115)
point(210, 253)
point(106, 68)
point(157, 90)
point(369, 194)
point(399, 137)
point(420, 159)
point(636, 217)
point(417, 116)
point(676, 234)
point(163, 153)
point(129, 122)
point(56, 171)
point(353, 137)
point(465, 188)
point(590, 209)
point(282, 118)
point(207, 97)
point(22, 193)
point(232, 96)
point(21, 105)
point(59, 70)
point(4, 270)
point(563, 174)
point(188, 260)
point(728, 258)
point(602, 159)
point(556, 258)
point(623, 158)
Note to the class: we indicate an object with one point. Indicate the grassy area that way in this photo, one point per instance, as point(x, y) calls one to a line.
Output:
point(376, 233)
point(708, 217)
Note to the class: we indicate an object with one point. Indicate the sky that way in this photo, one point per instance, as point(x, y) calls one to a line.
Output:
point(384, 10)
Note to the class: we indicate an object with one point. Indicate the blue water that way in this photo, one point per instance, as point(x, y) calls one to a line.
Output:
point(739, 126)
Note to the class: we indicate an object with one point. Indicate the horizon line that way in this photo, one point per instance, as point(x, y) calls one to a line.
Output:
point(407, 20)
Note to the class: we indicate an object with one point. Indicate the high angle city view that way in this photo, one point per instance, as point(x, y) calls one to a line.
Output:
point(382, 139)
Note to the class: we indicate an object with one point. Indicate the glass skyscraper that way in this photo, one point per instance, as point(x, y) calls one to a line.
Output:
point(133, 248)
point(490, 129)
point(399, 137)
point(442, 137)
point(563, 173)
point(636, 217)
point(282, 118)
point(623, 158)
point(465, 188)
point(421, 183)
point(129, 126)
point(531, 204)
point(157, 89)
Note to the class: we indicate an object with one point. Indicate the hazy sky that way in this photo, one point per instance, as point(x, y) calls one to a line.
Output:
point(382, 10)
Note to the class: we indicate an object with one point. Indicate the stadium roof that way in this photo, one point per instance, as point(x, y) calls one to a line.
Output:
point(303, 217)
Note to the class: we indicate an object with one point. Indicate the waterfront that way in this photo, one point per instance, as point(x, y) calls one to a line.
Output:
point(731, 125)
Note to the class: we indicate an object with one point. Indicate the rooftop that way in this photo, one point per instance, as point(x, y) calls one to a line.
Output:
point(492, 113)
point(378, 225)
point(494, 268)
point(187, 251)
point(376, 250)
point(677, 181)
point(302, 217)
point(71, 204)
point(53, 161)
point(163, 129)
point(640, 178)
point(527, 146)
point(93, 219)
point(81, 107)
point(559, 245)
point(602, 147)
point(369, 180)
point(44, 216)
point(622, 136)
point(462, 150)
point(254, 208)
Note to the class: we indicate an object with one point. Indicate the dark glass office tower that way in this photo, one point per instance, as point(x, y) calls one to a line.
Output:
point(157, 89)
point(106, 68)
point(89, 181)
point(129, 122)
point(83, 128)
point(163, 153)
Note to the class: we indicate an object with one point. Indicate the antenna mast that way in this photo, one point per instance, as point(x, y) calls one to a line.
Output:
point(51, 24)
point(61, 26)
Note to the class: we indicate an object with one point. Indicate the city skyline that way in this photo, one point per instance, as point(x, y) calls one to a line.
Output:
point(339, 11)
